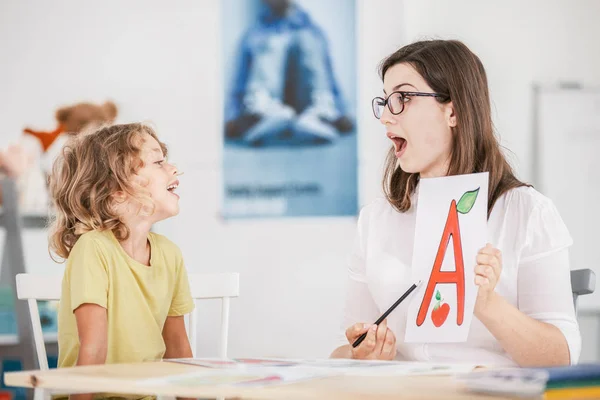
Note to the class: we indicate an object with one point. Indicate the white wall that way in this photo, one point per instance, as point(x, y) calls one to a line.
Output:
point(160, 61)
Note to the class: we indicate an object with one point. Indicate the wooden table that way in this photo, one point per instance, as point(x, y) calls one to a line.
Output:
point(125, 378)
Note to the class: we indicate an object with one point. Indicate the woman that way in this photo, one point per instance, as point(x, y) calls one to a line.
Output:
point(436, 110)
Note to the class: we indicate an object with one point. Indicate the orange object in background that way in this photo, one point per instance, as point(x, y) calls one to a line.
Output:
point(5, 395)
point(75, 118)
point(45, 138)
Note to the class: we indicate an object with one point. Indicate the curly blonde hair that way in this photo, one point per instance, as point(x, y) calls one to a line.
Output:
point(92, 168)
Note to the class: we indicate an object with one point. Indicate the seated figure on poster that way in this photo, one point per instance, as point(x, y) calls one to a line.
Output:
point(284, 88)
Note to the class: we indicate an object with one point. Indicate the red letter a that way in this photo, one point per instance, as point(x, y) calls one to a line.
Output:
point(437, 276)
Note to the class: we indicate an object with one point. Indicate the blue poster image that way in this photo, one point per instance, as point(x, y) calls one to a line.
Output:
point(289, 101)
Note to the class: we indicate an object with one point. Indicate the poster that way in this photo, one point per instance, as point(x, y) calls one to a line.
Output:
point(289, 107)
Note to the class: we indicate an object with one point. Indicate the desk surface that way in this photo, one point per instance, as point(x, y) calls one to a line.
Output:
point(125, 378)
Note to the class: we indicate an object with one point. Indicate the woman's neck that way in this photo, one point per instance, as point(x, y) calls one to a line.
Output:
point(437, 170)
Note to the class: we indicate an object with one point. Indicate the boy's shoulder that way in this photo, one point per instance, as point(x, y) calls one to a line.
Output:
point(99, 244)
point(95, 238)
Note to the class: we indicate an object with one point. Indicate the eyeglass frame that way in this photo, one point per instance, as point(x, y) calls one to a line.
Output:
point(402, 94)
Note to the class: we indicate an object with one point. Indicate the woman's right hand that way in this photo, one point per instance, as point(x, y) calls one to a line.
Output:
point(380, 343)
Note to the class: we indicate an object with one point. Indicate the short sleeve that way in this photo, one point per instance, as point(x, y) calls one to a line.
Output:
point(544, 284)
point(182, 302)
point(544, 294)
point(87, 272)
point(546, 232)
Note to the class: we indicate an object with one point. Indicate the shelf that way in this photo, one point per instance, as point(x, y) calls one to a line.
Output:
point(7, 340)
point(12, 339)
point(13, 263)
point(30, 220)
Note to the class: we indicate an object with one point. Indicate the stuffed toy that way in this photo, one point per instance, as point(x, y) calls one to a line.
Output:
point(29, 161)
point(73, 119)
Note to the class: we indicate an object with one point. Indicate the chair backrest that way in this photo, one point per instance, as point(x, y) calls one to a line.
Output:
point(583, 281)
point(34, 287)
point(222, 286)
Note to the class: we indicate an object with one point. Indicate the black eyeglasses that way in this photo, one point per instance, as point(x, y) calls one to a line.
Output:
point(396, 100)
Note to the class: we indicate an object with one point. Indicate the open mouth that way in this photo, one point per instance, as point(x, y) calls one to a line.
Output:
point(399, 145)
point(172, 187)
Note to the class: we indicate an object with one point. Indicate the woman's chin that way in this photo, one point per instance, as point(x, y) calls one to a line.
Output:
point(408, 167)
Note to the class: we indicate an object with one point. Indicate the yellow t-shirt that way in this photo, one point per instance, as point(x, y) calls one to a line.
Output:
point(138, 298)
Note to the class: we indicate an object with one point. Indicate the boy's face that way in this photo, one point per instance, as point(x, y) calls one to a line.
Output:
point(158, 179)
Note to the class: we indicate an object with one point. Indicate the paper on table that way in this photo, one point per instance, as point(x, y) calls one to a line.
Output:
point(235, 363)
point(395, 368)
point(237, 377)
point(333, 366)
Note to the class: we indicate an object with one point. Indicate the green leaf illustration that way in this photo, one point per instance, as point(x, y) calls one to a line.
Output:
point(466, 201)
point(438, 295)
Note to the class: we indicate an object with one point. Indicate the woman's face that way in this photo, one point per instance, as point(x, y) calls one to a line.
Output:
point(421, 133)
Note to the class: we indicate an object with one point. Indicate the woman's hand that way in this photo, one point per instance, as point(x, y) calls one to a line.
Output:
point(487, 274)
point(380, 343)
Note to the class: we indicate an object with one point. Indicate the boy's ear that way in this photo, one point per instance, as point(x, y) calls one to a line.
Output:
point(119, 197)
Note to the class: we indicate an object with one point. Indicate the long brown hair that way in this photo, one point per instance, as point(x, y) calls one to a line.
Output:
point(92, 168)
point(451, 69)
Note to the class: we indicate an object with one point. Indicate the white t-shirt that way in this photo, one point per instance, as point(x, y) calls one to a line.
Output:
point(524, 225)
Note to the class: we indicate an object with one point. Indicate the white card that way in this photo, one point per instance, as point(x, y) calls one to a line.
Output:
point(451, 228)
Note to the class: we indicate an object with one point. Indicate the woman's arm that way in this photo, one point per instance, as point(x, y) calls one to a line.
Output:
point(360, 310)
point(93, 338)
point(543, 330)
point(528, 341)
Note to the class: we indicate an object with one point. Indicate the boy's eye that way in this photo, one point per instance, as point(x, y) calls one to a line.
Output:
point(160, 162)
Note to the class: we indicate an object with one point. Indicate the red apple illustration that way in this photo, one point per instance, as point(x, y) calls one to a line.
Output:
point(440, 311)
